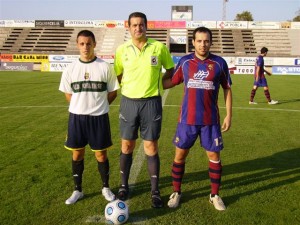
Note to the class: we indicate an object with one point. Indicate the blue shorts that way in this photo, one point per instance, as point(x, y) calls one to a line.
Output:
point(210, 137)
point(92, 130)
point(262, 82)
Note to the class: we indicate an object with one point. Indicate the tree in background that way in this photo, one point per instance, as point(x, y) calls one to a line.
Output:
point(244, 16)
point(297, 18)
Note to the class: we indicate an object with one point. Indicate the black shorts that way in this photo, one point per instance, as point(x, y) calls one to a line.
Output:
point(144, 114)
point(92, 130)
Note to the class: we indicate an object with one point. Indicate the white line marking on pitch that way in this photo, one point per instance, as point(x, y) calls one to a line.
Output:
point(236, 107)
point(263, 109)
point(166, 93)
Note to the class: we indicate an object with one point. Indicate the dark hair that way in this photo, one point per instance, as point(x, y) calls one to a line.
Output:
point(202, 30)
point(87, 33)
point(138, 14)
point(264, 50)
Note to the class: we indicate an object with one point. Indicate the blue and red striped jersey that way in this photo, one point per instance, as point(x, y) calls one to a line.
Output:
point(202, 80)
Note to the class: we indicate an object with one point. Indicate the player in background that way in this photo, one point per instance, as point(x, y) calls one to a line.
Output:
point(90, 85)
point(138, 65)
point(260, 79)
point(202, 73)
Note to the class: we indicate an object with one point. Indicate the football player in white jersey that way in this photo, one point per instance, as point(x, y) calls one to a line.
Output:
point(90, 85)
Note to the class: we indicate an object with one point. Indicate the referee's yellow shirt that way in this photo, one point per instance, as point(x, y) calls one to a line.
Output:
point(142, 70)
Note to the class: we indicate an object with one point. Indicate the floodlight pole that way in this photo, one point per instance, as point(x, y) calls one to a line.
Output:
point(224, 10)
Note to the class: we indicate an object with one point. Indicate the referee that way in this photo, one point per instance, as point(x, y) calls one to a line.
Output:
point(138, 66)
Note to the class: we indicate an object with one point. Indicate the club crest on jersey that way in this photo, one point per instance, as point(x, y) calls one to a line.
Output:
point(210, 66)
point(201, 75)
point(153, 60)
point(86, 76)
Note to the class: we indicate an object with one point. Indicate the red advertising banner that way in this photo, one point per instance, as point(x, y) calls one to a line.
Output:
point(168, 24)
point(163, 24)
point(6, 57)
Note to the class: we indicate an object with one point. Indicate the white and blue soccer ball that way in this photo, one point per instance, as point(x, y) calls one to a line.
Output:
point(116, 212)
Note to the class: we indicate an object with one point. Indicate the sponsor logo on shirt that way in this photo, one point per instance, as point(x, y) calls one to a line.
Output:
point(199, 81)
point(201, 75)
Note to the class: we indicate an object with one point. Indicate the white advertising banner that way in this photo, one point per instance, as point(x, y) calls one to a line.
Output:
point(284, 61)
point(63, 58)
point(178, 39)
point(195, 24)
point(263, 25)
point(249, 61)
point(109, 23)
point(232, 24)
point(295, 25)
point(182, 16)
point(19, 23)
point(244, 70)
point(79, 23)
point(245, 61)
point(230, 60)
point(57, 67)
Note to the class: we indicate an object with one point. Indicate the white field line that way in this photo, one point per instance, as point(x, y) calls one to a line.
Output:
point(237, 107)
point(250, 108)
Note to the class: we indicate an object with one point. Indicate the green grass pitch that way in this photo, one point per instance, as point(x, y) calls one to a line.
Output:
point(261, 159)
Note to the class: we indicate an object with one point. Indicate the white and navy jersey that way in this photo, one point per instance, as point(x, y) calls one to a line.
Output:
point(89, 83)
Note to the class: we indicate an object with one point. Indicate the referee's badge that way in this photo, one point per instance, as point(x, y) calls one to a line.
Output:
point(86, 76)
point(154, 60)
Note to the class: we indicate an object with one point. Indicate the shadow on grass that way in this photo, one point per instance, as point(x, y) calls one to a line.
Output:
point(265, 173)
point(288, 101)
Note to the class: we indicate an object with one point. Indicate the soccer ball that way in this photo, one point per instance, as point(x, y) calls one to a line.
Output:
point(116, 212)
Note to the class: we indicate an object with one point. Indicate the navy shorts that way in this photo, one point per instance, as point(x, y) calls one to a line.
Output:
point(92, 130)
point(261, 82)
point(210, 137)
point(144, 114)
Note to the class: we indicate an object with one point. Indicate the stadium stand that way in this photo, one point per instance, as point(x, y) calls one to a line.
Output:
point(107, 40)
point(294, 36)
point(226, 42)
point(37, 40)
point(277, 41)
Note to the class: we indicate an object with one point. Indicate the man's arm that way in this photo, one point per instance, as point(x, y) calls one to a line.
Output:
point(257, 73)
point(267, 72)
point(167, 79)
point(111, 96)
point(119, 77)
point(68, 96)
point(228, 102)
